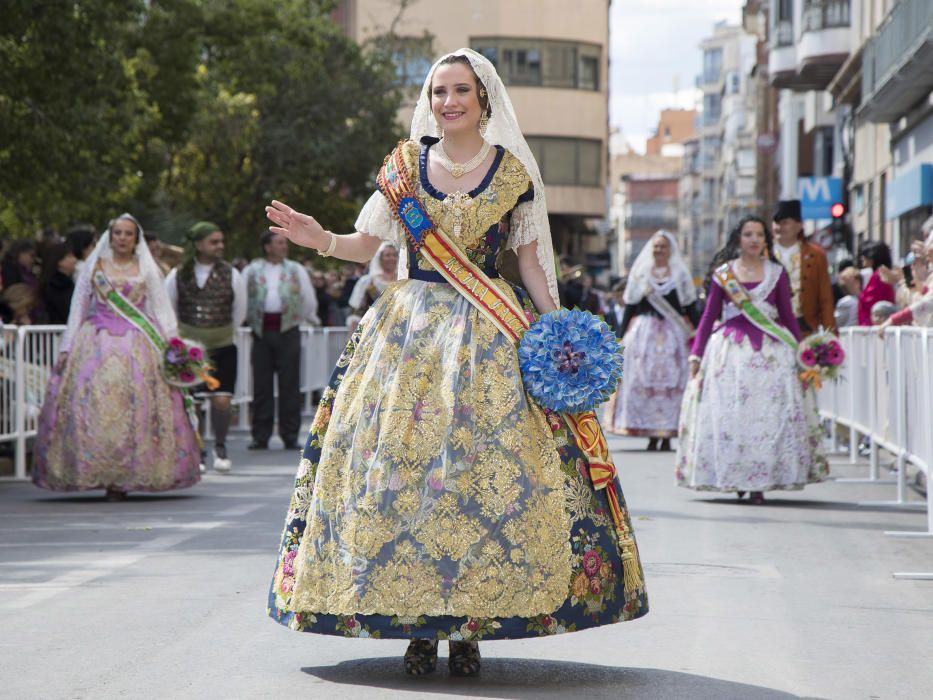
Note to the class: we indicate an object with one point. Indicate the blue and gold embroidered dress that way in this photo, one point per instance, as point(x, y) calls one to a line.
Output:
point(434, 499)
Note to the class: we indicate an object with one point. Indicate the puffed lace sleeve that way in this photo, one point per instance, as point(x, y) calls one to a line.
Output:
point(522, 229)
point(376, 219)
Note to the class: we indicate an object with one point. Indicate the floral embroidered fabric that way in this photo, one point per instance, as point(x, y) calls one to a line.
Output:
point(434, 499)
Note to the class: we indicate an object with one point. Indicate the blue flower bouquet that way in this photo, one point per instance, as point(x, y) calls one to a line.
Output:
point(571, 361)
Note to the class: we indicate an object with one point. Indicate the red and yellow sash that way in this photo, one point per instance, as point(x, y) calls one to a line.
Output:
point(502, 310)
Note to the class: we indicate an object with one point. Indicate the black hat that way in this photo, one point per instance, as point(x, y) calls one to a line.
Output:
point(788, 209)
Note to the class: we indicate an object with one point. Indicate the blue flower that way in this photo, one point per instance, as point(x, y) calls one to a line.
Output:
point(571, 361)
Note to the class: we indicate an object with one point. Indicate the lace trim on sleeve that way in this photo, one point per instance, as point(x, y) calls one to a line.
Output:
point(376, 220)
point(523, 231)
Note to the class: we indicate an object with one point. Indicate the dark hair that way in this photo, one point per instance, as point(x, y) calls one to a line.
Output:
point(730, 251)
point(79, 239)
point(150, 236)
point(50, 260)
point(843, 264)
point(878, 251)
point(17, 248)
point(265, 238)
point(463, 60)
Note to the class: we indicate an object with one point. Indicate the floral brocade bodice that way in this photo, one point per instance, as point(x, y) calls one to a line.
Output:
point(478, 220)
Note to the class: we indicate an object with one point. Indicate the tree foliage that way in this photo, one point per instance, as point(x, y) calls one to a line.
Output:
point(182, 110)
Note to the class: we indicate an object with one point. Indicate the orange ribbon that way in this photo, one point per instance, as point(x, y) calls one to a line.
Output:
point(812, 376)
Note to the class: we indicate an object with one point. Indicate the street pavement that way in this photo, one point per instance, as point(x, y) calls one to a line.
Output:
point(164, 597)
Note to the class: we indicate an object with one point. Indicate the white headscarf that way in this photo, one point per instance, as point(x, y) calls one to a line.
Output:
point(358, 295)
point(158, 306)
point(503, 130)
point(639, 277)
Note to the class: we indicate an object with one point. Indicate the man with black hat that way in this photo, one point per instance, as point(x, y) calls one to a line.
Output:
point(806, 265)
point(210, 299)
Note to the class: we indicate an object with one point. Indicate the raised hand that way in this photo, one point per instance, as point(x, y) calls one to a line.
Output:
point(299, 228)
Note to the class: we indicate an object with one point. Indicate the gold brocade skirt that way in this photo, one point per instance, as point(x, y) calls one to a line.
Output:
point(439, 489)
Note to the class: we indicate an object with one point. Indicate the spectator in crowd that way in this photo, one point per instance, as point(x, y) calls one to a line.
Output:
point(57, 283)
point(351, 274)
point(383, 271)
point(850, 283)
point(3, 246)
point(330, 310)
point(568, 284)
point(875, 256)
point(807, 268)
point(589, 297)
point(279, 299)
point(615, 307)
point(82, 241)
point(17, 304)
point(881, 312)
point(920, 312)
point(239, 263)
point(19, 264)
point(155, 248)
point(19, 267)
point(209, 297)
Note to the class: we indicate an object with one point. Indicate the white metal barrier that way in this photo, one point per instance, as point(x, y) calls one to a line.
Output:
point(28, 354)
point(886, 395)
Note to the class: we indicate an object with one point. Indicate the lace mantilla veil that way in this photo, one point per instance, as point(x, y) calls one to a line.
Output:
point(158, 306)
point(640, 275)
point(503, 130)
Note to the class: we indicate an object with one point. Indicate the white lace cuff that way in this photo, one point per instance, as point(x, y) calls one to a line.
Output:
point(376, 219)
point(522, 230)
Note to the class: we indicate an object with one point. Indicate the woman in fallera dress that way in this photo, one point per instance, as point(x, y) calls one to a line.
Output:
point(109, 420)
point(744, 425)
point(435, 500)
point(660, 315)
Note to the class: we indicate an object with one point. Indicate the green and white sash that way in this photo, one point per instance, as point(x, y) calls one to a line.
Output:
point(739, 296)
point(132, 315)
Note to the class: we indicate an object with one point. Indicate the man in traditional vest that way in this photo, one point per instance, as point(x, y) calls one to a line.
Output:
point(806, 265)
point(280, 298)
point(210, 299)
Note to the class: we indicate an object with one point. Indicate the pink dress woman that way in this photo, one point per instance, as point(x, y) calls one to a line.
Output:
point(109, 420)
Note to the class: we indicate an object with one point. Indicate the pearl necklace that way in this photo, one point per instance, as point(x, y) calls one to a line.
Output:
point(122, 267)
point(461, 169)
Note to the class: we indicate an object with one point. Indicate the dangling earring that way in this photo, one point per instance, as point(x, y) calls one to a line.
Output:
point(484, 123)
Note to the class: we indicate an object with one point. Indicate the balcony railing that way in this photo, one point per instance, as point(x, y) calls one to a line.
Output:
point(903, 43)
point(784, 33)
point(825, 14)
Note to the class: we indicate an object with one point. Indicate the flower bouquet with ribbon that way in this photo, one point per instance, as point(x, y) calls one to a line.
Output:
point(820, 356)
point(184, 364)
point(571, 361)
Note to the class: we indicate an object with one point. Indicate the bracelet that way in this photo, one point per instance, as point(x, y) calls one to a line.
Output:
point(331, 248)
point(694, 358)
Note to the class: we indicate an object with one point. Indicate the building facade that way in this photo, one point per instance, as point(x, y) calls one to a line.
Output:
point(721, 169)
point(856, 79)
point(553, 58)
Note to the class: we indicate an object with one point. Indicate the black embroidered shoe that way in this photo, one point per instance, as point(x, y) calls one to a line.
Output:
point(421, 657)
point(464, 658)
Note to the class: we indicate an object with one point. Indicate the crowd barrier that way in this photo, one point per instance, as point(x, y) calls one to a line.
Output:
point(885, 399)
point(28, 354)
point(884, 394)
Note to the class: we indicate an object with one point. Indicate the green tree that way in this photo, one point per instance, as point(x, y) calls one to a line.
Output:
point(71, 110)
point(324, 114)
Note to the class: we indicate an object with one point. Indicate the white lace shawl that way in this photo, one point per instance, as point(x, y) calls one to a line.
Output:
point(640, 276)
point(529, 219)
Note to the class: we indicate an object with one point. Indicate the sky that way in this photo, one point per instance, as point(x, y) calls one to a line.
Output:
point(654, 57)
